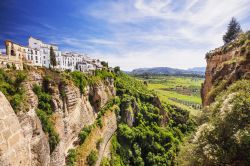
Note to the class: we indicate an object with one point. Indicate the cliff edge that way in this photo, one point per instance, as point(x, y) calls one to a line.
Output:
point(226, 65)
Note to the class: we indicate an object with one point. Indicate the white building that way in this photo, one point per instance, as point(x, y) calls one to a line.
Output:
point(39, 53)
point(85, 67)
point(76, 61)
point(70, 59)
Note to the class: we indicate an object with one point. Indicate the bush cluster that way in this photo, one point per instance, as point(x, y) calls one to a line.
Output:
point(80, 80)
point(92, 158)
point(147, 142)
point(84, 133)
point(11, 86)
point(71, 158)
point(226, 137)
point(44, 113)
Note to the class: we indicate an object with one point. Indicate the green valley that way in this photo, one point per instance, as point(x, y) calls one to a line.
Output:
point(181, 91)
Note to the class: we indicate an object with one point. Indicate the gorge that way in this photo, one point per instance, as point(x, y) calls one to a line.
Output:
point(109, 118)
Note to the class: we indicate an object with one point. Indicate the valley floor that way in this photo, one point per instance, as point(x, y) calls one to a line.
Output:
point(184, 92)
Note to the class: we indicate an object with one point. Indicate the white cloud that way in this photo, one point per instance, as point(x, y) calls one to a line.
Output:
point(148, 33)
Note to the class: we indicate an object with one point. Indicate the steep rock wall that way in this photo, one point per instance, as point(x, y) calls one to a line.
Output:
point(77, 113)
point(230, 62)
point(22, 140)
point(13, 146)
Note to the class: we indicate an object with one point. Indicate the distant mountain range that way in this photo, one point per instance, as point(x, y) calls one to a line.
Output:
point(169, 71)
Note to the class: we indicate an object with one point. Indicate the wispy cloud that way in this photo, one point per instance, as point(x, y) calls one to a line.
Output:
point(163, 32)
point(132, 33)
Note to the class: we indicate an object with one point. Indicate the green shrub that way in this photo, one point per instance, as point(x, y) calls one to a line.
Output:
point(45, 111)
point(117, 70)
point(44, 99)
point(104, 64)
point(92, 158)
point(99, 122)
point(84, 133)
point(225, 138)
point(105, 162)
point(99, 142)
point(80, 80)
point(16, 100)
point(103, 74)
point(11, 86)
point(71, 158)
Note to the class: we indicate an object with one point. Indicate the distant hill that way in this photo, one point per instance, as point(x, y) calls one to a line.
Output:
point(198, 69)
point(169, 71)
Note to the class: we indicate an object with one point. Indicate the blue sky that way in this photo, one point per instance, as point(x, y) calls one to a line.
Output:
point(128, 33)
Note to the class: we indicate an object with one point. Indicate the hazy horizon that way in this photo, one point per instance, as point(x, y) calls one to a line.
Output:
point(130, 34)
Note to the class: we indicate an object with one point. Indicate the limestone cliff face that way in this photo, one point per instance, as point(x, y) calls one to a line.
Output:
point(22, 140)
point(97, 95)
point(13, 144)
point(225, 65)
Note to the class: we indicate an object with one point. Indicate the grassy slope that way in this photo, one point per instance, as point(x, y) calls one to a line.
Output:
point(162, 85)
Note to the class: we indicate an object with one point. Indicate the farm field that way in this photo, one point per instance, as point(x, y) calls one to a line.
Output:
point(178, 90)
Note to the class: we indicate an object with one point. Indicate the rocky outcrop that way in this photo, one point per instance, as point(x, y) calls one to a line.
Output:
point(101, 92)
point(14, 148)
point(35, 138)
point(22, 139)
point(77, 113)
point(69, 122)
point(225, 65)
point(34, 142)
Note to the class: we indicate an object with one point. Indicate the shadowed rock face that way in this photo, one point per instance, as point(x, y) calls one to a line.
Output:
point(229, 66)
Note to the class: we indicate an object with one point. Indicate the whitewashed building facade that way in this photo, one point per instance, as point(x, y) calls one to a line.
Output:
point(38, 53)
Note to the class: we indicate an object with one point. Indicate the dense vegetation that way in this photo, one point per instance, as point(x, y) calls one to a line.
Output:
point(44, 112)
point(81, 80)
point(225, 137)
point(148, 141)
point(11, 86)
point(156, 132)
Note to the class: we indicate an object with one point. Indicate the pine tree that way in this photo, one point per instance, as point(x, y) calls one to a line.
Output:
point(52, 57)
point(233, 30)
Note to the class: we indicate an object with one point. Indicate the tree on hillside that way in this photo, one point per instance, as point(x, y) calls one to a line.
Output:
point(233, 30)
point(52, 57)
point(104, 64)
point(117, 70)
